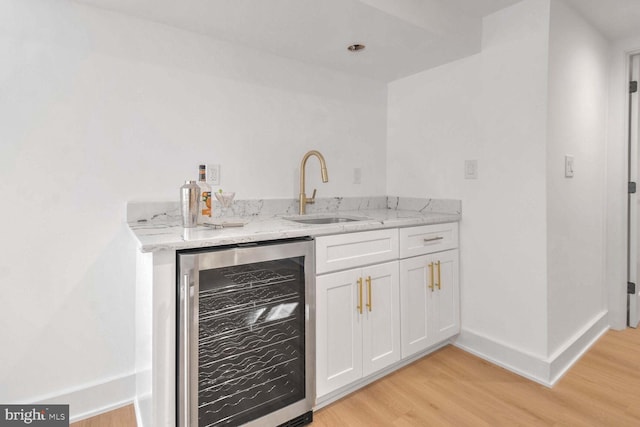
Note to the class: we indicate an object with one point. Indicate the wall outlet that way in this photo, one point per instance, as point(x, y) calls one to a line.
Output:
point(213, 174)
point(470, 169)
point(357, 176)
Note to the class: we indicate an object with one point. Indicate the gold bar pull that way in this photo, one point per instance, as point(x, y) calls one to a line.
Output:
point(360, 295)
point(430, 285)
point(369, 304)
point(438, 283)
point(433, 239)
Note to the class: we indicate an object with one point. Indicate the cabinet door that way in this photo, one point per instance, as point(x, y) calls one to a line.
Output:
point(416, 295)
point(446, 307)
point(338, 330)
point(381, 325)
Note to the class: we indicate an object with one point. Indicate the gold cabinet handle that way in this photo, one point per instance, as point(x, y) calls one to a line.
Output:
point(430, 285)
point(433, 239)
point(360, 295)
point(369, 304)
point(438, 282)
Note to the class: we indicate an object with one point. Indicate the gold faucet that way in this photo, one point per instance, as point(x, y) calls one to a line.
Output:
point(323, 172)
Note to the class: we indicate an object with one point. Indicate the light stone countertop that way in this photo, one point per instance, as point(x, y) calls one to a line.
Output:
point(158, 227)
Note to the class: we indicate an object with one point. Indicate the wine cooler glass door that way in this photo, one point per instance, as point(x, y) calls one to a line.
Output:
point(246, 344)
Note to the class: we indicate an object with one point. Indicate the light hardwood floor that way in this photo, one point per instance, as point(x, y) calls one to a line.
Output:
point(123, 417)
point(453, 388)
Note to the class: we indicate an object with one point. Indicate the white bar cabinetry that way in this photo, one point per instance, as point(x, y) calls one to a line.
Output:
point(357, 309)
point(429, 286)
point(383, 299)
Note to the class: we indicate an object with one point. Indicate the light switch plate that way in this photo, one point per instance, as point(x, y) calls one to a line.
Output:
point(568, 166)
point(357, 176)
point(470, 169)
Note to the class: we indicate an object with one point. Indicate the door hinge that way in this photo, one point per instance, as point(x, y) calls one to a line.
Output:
point(632, 188)
point(631, 288)
point(633, 87)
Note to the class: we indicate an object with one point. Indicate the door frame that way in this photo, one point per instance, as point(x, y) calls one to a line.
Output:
point(633, 241)
point(615, 278)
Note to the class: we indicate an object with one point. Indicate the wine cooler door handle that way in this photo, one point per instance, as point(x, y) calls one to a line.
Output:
point(185, 293)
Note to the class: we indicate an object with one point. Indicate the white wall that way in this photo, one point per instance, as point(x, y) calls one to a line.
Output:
point(578, 86)
point(578, 90)
point(98, 109)
point(490, 107)
point(532, 242)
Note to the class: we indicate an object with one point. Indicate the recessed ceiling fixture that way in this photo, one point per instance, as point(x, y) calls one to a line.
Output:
point(356, 47)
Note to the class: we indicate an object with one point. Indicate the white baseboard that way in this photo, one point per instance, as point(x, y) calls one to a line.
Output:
point(96, 398)
point(522, 363)
point(583, 340)
point(137, 403)
point(545, 371)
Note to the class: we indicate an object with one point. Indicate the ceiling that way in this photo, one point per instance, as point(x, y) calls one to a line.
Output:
point(402, 36)
point(616, 19)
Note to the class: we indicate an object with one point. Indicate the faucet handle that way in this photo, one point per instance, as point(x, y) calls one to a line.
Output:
point(312, 199)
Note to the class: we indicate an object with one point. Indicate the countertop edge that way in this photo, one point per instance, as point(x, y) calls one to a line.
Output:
point(167, 236)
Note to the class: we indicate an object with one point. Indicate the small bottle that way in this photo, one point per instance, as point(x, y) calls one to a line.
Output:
point(204, 214)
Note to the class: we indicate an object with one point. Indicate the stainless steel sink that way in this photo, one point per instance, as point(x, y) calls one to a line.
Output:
point(333, 220)
point(308, 219)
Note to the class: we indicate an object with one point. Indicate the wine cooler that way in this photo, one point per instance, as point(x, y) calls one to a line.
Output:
point(246, 335)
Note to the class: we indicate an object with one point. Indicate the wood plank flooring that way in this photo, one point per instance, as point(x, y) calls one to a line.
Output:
point(453, 388)
point(122, 417)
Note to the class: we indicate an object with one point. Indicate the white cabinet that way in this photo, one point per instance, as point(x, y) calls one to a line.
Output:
point(382, 296)
point(357, 316)
point(429, 287)
point(342, 251)
point(428, 239)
